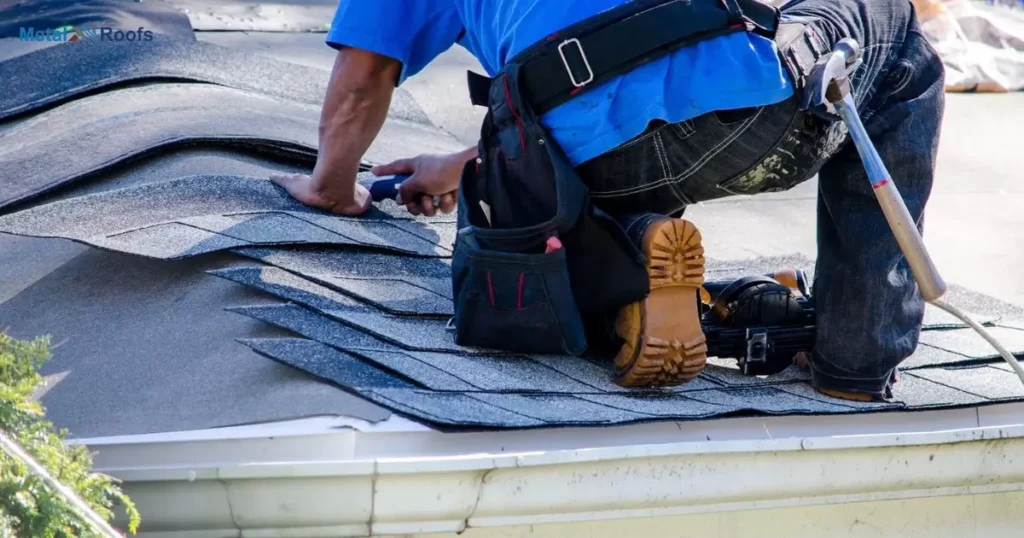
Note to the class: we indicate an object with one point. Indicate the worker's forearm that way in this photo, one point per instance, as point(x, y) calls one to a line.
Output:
point(354, 110)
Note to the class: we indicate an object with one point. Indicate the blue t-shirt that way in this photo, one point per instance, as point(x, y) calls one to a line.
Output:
point(734, 71)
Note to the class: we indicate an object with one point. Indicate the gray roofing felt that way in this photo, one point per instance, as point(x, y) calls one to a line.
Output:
point(158, 17)
point(145, 346)
point(154, 345)
point(93, 65)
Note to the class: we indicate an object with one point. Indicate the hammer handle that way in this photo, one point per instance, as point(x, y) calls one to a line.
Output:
point(903, 226)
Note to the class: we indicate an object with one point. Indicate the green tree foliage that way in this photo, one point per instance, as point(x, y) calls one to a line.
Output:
point(28, 508)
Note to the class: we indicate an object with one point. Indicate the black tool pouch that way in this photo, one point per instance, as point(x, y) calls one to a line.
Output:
point(533, 257)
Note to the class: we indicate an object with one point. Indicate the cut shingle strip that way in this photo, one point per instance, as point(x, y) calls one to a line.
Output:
point(502, 374)
point(328, 299)
point(412, 333)
point(110, 212)
point(394, 284)
point(309, 324)
point(479, 372)
point(255, 228)
point(426, 374)
point(281, 283)
point(92, 64)
point(326, 362)
point(171, 240)
point(310, 261)
point(195, 209)
point(394, 296)
point(384, 234)
point(450, 409)
point(331, 364)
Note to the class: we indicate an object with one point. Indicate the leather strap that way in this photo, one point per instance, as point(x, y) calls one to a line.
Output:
point(595, 50)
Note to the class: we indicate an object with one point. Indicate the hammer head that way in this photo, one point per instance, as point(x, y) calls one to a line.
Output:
point(829, 81)
point(850, 50)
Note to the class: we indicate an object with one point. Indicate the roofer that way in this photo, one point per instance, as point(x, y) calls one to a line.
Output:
point(653, 105)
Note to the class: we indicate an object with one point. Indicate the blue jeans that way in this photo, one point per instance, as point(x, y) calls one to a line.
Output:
point(868, 306)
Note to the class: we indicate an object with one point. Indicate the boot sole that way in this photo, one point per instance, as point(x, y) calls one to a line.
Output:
point(664, 344)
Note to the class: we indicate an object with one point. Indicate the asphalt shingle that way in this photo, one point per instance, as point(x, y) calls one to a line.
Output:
point(450, 409)
point(768, 400)
point(562, 409)
point(970, 344)
point(992, 382)
point(107, 129)
point(918, 393)
point(394, 284)
point(326, 362)
point(92, 65)
point(435, 370)
point(224, 205)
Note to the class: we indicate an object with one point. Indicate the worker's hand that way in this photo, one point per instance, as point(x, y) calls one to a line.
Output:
point(307, 190)
point(429, 176)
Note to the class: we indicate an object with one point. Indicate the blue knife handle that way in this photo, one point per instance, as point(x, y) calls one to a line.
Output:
point(384, 187)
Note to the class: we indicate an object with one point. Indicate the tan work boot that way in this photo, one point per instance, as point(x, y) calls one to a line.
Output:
point(664, 343)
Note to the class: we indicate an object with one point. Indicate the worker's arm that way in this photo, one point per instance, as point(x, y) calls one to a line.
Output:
point(355, 107)
point(429, 175)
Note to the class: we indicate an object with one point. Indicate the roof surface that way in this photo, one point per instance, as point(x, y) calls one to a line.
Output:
point(190, 229)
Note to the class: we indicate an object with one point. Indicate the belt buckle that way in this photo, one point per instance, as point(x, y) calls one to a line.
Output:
point(565, 62)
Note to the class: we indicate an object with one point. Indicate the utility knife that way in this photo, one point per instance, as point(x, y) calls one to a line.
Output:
point(386, 187)
point(383, 187)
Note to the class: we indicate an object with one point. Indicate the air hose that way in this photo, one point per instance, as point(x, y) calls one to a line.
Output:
point(1007, 356)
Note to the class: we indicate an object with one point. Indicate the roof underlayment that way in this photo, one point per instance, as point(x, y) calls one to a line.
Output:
point(210, 278)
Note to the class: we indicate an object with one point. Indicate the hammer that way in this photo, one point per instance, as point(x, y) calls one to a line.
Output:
point(830, 86)
point(831, 77)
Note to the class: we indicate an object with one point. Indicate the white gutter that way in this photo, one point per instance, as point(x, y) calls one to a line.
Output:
point(386, 496)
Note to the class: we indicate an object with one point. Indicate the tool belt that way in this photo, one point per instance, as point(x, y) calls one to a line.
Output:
point(533, 258)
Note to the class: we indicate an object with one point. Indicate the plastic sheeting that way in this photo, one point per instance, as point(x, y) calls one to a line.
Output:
point(981, 45)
